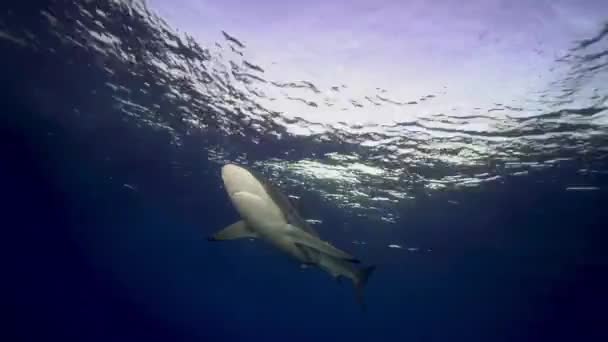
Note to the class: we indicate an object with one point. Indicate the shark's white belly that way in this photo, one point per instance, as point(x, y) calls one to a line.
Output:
point(265, 218)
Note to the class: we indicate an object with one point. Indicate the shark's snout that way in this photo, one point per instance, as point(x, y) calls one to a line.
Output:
point(231, 170)
point(232, 176)
point(238, 179)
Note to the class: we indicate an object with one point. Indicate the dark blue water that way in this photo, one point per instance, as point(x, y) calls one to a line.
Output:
point(104, 239)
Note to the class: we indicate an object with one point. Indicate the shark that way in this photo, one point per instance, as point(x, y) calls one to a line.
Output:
point(267, 214)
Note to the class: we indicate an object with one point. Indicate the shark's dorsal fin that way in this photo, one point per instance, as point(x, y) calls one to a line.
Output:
point(237, 230)
point(285, 204)
point(291, 214)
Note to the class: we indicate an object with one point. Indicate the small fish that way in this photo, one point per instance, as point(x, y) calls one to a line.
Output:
point(129, 186)
point(582, 188)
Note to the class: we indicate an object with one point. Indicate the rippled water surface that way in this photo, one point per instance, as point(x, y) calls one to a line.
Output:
point(363, 146)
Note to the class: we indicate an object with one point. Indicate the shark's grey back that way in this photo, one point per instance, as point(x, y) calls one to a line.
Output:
point(283, 202)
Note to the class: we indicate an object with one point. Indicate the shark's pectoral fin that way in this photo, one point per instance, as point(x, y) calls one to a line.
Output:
point(237, 230)
point(303, 239)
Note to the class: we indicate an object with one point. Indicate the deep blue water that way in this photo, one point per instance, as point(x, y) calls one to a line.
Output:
point(87, 258)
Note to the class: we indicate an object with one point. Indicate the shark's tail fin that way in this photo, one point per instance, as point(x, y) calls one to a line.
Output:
point(360, 281)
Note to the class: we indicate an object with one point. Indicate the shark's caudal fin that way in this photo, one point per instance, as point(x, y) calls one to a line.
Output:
point(361, 279)
point(237, 230)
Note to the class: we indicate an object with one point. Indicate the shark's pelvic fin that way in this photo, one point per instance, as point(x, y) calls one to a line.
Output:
point(237, 230)
point(312, 255)
point(304, 239)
